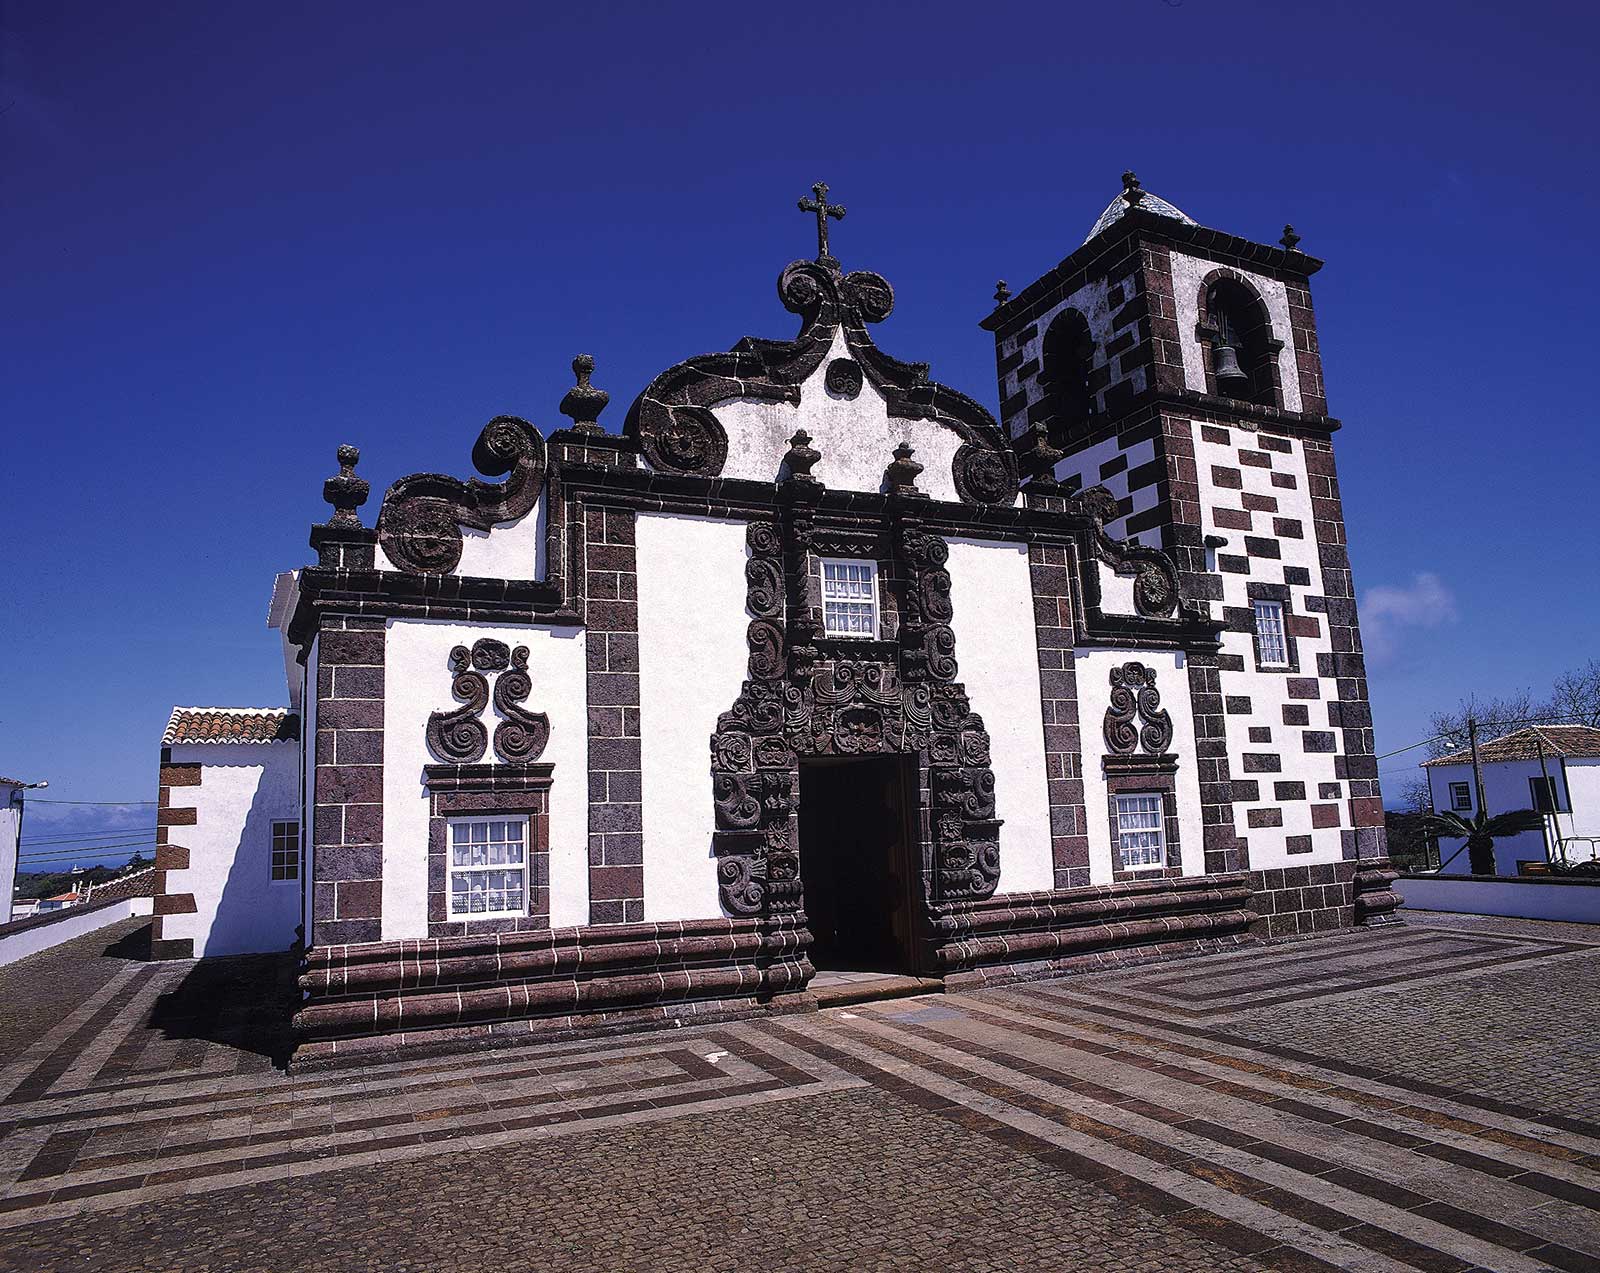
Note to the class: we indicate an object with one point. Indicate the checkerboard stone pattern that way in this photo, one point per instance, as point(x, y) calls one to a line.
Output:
point(1417, 1097)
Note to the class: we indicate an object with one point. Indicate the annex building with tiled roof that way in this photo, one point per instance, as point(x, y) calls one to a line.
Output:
point(817, 663)
point(1552, 769)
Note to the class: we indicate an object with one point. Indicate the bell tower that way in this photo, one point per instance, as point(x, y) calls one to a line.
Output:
point(1177, 366)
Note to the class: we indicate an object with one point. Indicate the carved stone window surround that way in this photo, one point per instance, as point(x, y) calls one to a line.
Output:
point(456, 791)
point(1282, 594)
point(1164, 785)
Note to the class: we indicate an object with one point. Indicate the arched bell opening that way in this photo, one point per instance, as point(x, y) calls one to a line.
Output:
point(1237, 343)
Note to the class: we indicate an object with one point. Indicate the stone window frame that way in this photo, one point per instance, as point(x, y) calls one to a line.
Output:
point(1460, 794)
point(1280, 593)
point(483, 790)
point(1268, 392)
point(283, 864)
point(876, 587)
point(1145, 776)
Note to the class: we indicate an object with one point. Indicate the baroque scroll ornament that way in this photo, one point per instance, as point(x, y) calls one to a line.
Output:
point(1134, 697)
point(459, 736)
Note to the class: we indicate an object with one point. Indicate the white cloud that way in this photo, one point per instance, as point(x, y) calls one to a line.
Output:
point(1387, 612)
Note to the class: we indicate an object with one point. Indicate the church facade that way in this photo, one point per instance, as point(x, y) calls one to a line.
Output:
point(817, 664)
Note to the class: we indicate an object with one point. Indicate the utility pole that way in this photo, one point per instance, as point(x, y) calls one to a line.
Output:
point(1477, 768)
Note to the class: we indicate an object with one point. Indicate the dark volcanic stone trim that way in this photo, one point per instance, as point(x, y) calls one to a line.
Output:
point(616, 810)
point(1350, 712)
point(1050, 570)
point(1300, 901)
point(1032, 934)
point(557, 976)
point(347, 782)
point(171, 857)
point(1224, 849)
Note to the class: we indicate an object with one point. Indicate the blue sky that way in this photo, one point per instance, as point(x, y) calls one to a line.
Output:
point(236, 235)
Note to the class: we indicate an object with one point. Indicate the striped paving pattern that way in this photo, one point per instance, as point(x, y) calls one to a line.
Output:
point(1129, 1082)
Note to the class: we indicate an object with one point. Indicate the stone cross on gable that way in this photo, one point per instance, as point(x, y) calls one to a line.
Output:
point(824, 210)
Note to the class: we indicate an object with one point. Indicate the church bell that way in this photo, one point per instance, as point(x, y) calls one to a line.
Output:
point(1230, 376)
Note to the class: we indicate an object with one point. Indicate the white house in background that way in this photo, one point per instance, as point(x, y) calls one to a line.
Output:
point(1552, 768)
point(229, 826)
point(10, 834)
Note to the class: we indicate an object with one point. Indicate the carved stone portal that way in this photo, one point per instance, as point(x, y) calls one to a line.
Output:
point(799, 702)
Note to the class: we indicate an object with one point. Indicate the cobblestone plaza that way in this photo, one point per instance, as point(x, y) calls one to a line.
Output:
point(1417, 1098)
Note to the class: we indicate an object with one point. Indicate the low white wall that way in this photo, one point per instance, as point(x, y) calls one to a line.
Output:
point(239, 908)
point(417, 683)
point(64, 925)
point(992, 591)
point(1526, 899)
point(692, 659)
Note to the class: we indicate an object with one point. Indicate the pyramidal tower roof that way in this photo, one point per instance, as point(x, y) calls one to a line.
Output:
point(1134, 195)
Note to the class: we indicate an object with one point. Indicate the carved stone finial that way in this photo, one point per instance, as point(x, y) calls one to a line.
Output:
point(1002, 292)
point(344, 490)
point(800, 456)
point(584, 403)
point(903, 471)
point(1132, 190)
point(1039, 459)
point(824, 210)
point(1290, 238)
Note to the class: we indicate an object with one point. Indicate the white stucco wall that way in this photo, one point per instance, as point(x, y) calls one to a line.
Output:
point(1093, 667)
point(998, 663)
point(239, 908)
point(417, 683)
point(692, 656)
point(856, 437)
point(509, 550)
point(1187, 274)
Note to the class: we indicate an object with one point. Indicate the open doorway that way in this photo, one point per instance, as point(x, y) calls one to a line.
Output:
point(859, 863)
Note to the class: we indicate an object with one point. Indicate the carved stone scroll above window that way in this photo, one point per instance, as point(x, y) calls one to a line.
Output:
point(419, 525)
point(678, 432)
point(522, 735)
point(1135, 720)
point(460, 736)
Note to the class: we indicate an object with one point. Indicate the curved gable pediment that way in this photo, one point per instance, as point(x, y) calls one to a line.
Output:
point(732, 414)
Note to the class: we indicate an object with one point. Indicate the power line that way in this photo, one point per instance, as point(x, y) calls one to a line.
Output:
point(94, 802)
point(119, 851)
point(87, 838)
point(67, 850)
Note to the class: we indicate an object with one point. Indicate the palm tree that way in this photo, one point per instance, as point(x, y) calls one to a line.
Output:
point(1480, 832)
